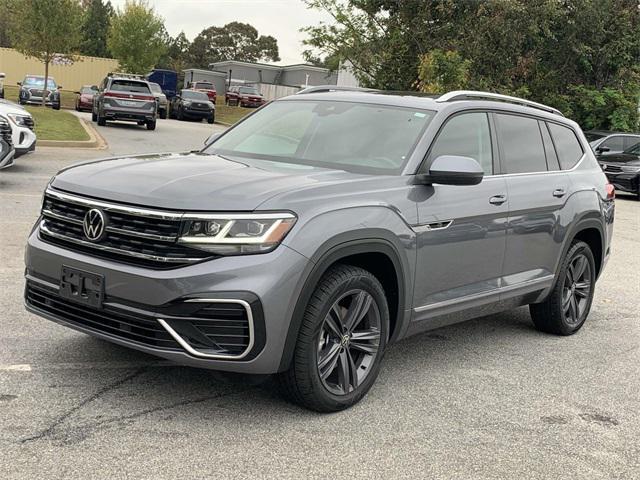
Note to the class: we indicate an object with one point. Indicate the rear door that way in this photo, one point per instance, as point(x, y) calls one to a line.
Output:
point(461, 237)
point(537, 190)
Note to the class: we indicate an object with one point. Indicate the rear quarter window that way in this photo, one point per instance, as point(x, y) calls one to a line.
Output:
point(567, 145)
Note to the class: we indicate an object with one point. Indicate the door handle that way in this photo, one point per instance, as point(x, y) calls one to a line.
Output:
point(559, 192)
point(498, 199)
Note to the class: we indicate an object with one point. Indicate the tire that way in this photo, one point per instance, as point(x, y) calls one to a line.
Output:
point(163, 114)
point(180, 115)
point(567, 307)
point(102, 121)
point(211, 119)
point(56, 106)
point(323, 334)
point(151, 125)
point(94, 116)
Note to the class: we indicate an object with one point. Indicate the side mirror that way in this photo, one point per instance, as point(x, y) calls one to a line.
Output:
point(212, 138)
point(19, 83)
point(603, 149)
point(452, 170)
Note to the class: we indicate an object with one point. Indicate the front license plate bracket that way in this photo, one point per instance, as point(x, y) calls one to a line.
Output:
point(82, 287)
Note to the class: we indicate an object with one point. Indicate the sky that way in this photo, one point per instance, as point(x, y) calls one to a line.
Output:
point(281, 19)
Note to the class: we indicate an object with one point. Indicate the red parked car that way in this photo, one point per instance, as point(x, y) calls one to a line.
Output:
point(84, 98)
point(205, 87)
point(244, 96)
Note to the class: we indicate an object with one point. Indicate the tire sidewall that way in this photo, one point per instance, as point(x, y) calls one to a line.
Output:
point(371, 286)
point(577, 249)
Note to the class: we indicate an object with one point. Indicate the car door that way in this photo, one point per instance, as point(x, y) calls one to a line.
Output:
point(461, 237)
point(538, 190)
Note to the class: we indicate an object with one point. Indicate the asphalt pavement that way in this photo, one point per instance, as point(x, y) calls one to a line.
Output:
point(490, 398)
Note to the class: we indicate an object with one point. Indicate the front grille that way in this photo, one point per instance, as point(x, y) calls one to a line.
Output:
point(137, 239)
point(612, 168)
point(112, 321)
point(212, 328)
point(29, 123)
point(5, 133)
point(35, 92)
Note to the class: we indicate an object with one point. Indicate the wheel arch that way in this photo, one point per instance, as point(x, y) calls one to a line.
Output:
point(590, 230)
point(359, 252)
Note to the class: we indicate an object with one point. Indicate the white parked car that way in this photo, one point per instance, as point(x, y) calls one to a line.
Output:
point(7, 152)
point(22, 127)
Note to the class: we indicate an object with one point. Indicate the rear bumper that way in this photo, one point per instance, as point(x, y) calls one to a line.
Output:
point(128, 115)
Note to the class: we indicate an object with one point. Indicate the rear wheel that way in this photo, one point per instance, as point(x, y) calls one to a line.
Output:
point(341, 341)
point(163, 114)
point(567, 306)
point(102, 121)
point(94, 116)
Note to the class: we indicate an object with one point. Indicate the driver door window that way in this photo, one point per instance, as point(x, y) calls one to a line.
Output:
point(466, 135)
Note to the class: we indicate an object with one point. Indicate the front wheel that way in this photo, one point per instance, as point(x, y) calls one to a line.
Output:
point(151, 125)
point(211, 119)
point(566, 308)
point(163, 114)
point(341, 341)
point(94, 116)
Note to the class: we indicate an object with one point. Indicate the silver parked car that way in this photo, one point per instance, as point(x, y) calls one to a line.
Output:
point(324, 227)
point(161, 98)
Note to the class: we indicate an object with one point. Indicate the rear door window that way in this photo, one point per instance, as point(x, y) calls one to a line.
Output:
point(466, 135)
point(630, 141)
point(567, 145)
point(521, 144)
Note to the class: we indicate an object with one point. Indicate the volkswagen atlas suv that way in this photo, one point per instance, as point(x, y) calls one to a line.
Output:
point(126, 98)
point(324, 227)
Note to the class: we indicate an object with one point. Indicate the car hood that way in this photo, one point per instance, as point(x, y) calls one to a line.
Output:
point(625, 158)
point(192, 181)
point(7, 106)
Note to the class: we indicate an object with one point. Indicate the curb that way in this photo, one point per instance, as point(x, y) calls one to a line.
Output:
point(96, 141)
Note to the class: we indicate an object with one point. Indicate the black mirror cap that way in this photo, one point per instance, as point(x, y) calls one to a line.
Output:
point(603, 149)
point(452, 170)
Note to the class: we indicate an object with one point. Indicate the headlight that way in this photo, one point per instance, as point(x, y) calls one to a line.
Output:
point(631, 168)
point(20, 120)
point(236, 234)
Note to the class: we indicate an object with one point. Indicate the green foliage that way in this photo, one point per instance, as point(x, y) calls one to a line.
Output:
point(136, 37)
point(177, 54)
point(234, 41)
point(440, 71)
point(46, 29)
point(6, 7)
point(95, 28)
point(582, 56)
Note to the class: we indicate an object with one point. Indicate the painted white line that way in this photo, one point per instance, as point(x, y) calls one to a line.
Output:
point(84, 366)
point(16, 368)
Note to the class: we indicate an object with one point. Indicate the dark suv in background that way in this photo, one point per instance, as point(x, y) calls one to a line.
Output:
point(623, 169)
point(34, 87)
point(191, 104)
point(127, 98)
point(324, 227)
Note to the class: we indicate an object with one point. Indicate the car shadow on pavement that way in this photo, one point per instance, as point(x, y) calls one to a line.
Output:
point(130, 385)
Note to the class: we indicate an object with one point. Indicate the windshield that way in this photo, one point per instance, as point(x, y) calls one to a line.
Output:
point(155, 88)
point(204, 86)
point(38, 82)
point(87, 91)
point(249, 90)
point(193, 95)
point(358, 137)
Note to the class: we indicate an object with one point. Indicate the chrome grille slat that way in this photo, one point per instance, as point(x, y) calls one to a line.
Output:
point(130, 236)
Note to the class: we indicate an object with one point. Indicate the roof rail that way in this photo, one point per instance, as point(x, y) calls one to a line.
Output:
point(333, 88)
point(132, 76)
point(473, 95)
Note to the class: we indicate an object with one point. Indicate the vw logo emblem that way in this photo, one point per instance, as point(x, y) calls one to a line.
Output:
point(94, 224)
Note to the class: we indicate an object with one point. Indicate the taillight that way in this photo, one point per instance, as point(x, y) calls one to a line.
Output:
point(611, 192)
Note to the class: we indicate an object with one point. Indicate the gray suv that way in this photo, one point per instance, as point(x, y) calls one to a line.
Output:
point(127, 98)
point(324, 227)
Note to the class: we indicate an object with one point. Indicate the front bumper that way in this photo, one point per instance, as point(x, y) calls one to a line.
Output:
point(24, 139)
point(190, 112)
point(7, 155)
point(269, 283)
point(625, 182)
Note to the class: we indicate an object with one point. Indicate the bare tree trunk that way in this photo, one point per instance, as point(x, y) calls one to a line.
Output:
point(46, 80)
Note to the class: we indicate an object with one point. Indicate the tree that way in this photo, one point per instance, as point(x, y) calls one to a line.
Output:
point(6, 7)
point(46, 29)
point(136, 37)
point(176, 56)
point(234, 41)
point(582, 56)
point(97, 20)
